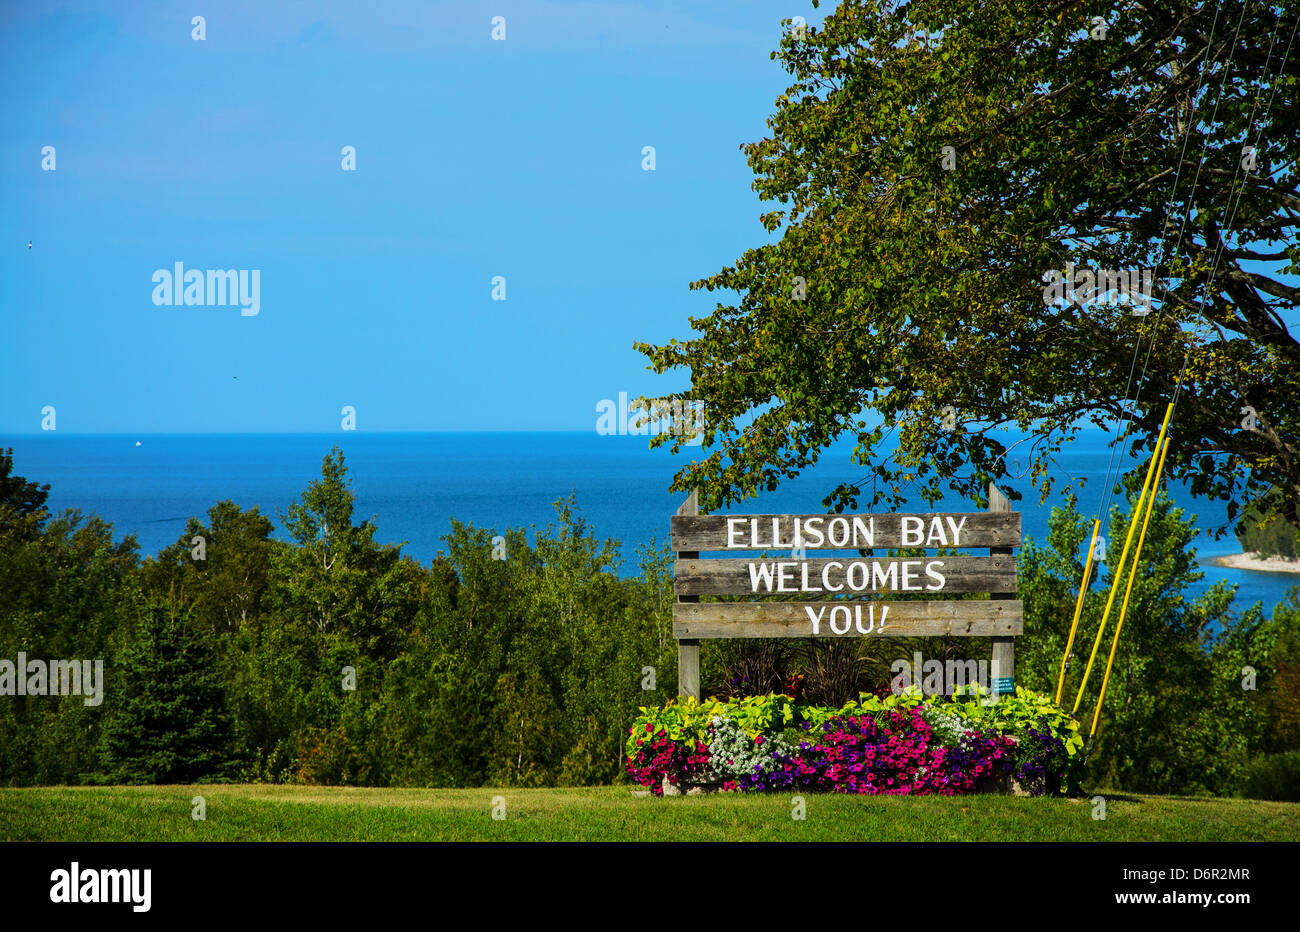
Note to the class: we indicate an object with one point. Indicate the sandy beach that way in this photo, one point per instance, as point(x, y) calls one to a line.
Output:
point(1252, 561)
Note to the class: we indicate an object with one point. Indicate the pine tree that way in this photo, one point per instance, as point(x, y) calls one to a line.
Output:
point(169, 721)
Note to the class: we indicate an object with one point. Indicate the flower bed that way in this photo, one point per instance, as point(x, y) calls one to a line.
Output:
point(907, 744)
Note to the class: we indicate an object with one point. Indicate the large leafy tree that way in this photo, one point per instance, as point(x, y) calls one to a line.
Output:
point(900, 298)
point(338, 576)
point(227, 578)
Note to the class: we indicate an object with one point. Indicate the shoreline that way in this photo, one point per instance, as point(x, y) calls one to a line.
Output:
point(1252, 561)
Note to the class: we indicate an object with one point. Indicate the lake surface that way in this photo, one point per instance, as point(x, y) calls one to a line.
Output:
point(414, 483)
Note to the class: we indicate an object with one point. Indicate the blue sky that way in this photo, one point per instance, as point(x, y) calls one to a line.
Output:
point(475, 158)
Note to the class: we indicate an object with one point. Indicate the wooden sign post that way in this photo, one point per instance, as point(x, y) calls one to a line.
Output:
point(688, 648)
point(845, 597)
point(1003, 670)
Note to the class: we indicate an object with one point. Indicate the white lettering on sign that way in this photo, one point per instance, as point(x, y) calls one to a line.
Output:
point(861, 582)
point(855, 575)
point(781, 583)
point(826, 576)
point(840, 532)
point(763, 574)
point(913, 533)
point(909, 574)
point(808, 587)
point(881, 579)
point(835, 531)
point(851, 617)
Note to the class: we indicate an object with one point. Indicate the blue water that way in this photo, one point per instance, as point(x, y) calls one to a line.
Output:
point(412, 484)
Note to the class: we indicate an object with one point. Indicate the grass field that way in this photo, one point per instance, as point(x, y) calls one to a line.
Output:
point(295, 813)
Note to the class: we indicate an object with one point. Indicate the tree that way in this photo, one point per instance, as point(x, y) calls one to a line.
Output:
point(169, 720)
point(226, 574)
point(22, 503)
point(334, 599)
point(1262, 530)
point(338, 576)
point(66, 589)
point(1176, 717)
point(16, 492)
point(932, 165)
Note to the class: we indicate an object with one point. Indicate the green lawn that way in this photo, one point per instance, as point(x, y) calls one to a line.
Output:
point(295, 813)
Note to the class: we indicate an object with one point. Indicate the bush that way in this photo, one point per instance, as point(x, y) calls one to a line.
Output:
point(1263, 530)
point(326, 757)
point(653, 755)
point(1274, 776)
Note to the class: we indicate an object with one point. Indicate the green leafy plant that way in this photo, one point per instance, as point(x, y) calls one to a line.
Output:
point(1274, 776)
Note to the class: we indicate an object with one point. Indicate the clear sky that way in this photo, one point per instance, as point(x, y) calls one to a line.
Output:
point(474, 158)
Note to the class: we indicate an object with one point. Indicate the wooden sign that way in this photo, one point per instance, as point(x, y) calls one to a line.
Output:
point(844, 596)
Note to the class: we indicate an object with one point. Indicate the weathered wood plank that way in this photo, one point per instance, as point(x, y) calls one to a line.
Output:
point(862, 619)
point(845, 532)
point(819, 578)
point(1004, 648)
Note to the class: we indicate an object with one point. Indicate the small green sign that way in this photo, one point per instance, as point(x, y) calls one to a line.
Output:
point(1004, 684)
